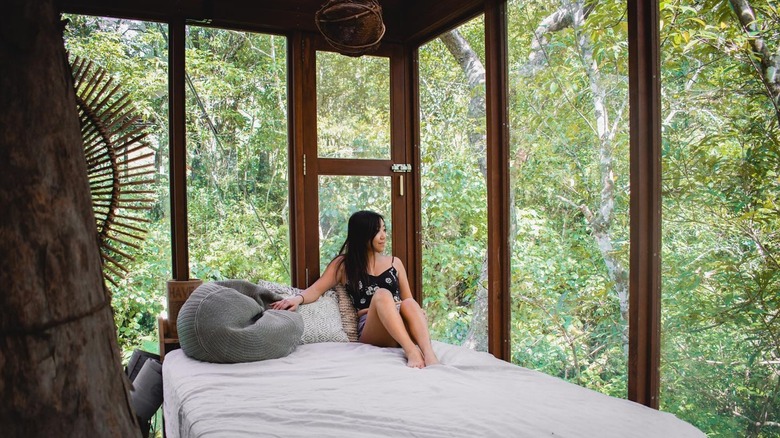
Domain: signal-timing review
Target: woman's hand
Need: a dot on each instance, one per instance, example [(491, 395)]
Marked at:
[(287, 304), (313, 292)]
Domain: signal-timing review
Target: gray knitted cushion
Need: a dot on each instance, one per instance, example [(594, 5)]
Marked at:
[(226, 322)]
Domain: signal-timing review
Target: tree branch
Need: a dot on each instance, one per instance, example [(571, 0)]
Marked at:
[(769, 69), (562, 18), (581, 207), (466, 57)]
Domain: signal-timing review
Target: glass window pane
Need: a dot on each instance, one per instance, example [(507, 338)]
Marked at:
[(135, 55), (340, 196), (720, 356), (353, 106), (454, 190), (237, 191), (569, 170)]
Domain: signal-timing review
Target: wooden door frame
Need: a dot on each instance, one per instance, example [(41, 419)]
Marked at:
[(304, 189)]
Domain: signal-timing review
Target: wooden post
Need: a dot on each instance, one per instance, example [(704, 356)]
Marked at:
[(644, 338), (178, 149), (499, 266)]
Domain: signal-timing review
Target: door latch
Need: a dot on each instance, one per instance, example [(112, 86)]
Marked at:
[(401, 168)]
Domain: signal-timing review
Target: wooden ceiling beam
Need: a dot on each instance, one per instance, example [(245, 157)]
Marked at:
[(425, 20), (150, 10), (277, 17), (414, 21)]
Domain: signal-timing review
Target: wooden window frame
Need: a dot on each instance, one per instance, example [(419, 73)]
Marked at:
[(435, 17)]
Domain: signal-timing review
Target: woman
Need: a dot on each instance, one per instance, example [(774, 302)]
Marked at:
[(388, 316)]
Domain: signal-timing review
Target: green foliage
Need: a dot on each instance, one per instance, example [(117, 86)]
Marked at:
[(720, 151), (565, 320), (353, 106), (238, 211), (140, 297), (454, 193), (566, 316)]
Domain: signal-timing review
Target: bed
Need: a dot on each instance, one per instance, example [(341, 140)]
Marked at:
[(346, 389), (338, 389)]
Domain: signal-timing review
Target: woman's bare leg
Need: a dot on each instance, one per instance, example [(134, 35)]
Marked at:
[(385, 328), (413, 316)]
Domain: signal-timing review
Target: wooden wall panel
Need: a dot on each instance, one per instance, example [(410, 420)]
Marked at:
[(269, 15)]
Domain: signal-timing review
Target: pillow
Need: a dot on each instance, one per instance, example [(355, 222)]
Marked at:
[(226, 322), (321, 319), (347, 311)]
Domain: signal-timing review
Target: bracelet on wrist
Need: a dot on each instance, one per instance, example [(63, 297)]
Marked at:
[(303, 299)]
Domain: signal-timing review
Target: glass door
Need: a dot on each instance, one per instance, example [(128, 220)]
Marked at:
[(355, 152)]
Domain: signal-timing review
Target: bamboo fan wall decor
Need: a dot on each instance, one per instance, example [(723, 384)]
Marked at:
[(120, 165)]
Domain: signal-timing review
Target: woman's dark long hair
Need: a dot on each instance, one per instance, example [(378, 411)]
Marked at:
[(363, 226)]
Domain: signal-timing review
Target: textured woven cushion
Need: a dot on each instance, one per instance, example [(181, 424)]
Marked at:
[(226, 322), (321, 319), (347, 312)]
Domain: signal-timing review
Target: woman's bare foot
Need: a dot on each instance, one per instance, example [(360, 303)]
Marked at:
[(430, 358), (414, 358)]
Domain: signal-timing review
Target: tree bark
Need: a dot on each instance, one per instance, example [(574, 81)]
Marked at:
[(60, 372), (769, 63)]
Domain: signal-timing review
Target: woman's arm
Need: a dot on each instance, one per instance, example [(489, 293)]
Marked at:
[(327, 281)]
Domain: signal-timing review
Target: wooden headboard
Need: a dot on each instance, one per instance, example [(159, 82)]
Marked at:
[(178, 292)]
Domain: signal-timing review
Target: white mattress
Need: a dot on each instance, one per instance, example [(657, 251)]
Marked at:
[(353, 389)]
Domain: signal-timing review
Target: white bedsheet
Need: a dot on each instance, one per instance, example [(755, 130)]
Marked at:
[(353, 389)]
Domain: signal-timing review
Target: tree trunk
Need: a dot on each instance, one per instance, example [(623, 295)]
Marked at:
[(571, 14), (477, 336), (59, 361), (600, 223), (769, 64), (561, 19)]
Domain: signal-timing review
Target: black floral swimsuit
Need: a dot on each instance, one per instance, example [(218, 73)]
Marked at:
[(361, 298)]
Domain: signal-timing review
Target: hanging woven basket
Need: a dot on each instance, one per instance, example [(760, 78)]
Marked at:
[(352, 27)]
